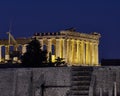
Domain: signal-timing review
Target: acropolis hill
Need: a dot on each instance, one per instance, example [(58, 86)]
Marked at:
[(82, 76)]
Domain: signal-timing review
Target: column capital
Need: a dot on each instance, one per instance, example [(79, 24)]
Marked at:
[(91, 43), (40, 39), (96, 43), (78, 41), (57, 39), (72, 39), (68, 39), (49, 39), (82, 41), (87, 42)]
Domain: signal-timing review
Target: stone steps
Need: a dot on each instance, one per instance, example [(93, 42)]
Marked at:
[(85, 68), (79, 95), (80, 82), (81, 73), (80, 88), (82, 92)]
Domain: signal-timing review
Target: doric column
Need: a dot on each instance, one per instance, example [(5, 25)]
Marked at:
[(78, 52), (96, 54), (68, 50), (24, 48), (72, 55), (0, 53), (65, 50), (83, 52), (7, 57), (87, 53), (57, 48), (49, 48), (60, 48), (80, 56), (92, 54), (41, 43)]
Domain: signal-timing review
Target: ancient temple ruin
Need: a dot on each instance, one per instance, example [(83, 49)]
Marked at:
[(75, 47)]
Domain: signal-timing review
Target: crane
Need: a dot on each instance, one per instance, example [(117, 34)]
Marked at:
[(15, 54), (10, 37)]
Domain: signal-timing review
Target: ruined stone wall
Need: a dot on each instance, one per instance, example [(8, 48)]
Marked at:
[(33, 81), (54, 81), (105, 78)]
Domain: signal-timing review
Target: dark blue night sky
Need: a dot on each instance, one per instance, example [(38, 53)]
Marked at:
[(30, 16)]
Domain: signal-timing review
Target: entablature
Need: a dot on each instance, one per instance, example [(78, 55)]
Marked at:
[(68, 34)]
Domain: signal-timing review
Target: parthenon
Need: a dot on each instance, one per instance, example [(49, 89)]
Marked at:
[(75, 47)]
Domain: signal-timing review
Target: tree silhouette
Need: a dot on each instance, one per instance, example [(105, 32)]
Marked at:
[(14, 54), (34, 56)]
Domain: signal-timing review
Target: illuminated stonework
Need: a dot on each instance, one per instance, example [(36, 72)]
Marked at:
[(6, 48), (75, 47)]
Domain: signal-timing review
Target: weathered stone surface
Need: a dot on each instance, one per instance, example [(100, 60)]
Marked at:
[(105, 78), (54, 81), (29, 81), (6, 82)]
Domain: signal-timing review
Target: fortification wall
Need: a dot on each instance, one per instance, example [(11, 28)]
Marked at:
[(105, 78), (54, 81), (33, 81)]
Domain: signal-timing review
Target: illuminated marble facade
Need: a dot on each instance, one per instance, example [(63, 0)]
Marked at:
[(76, 48)]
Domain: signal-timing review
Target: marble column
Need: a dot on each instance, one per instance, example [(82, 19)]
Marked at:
[(83, 52), (41, 43), (90, 54), (87, 53), (73, 48), (57, 48), (78, 52), (61, 48), (7, 56), (68, 50), (93, 54), (24, 48), (65, 49), (96, 54), (49, 48)]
